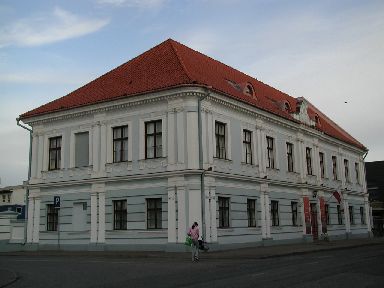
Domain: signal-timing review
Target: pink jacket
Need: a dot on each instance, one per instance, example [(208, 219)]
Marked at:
[(194, 233)]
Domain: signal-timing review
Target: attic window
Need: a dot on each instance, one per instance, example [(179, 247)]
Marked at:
[(249, 90), (317, 120), (287, 107)]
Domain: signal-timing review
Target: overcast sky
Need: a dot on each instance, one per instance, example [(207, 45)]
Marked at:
[(329, 52)]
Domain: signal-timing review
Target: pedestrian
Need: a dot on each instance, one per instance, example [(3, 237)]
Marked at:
[(194, 233)]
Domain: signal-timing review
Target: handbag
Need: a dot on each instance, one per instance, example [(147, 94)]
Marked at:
[(188, 241)]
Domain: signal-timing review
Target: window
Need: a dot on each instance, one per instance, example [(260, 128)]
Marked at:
[(270, 152), (120, 144), (339, 215), (221, 152), (81, 149), (351, 219), (79, 216), (346, 170), (52, 217), (223, 212), (308, 157), (120, 214), (9, 198), (294, 213), (275, 213), (362, 216), (54, 153), (322, 166), (287, 107), (249, 90), (153, 139), (251, 211), (247, 146), (327, 219), (334, 167), (357, 172), (3, 196), (154, 211), (290, 156)]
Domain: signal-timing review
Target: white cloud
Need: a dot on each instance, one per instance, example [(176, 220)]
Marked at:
[(43, 29), (42, 77), (134, 3)]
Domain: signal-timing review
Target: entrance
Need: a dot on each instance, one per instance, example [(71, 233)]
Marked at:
[(315, 227)]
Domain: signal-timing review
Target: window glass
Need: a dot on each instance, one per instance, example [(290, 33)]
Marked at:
[(251, 211), (223, 212)]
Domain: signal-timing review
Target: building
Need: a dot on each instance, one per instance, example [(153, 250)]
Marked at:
[(375, 181), (174, 136), (12, 198)]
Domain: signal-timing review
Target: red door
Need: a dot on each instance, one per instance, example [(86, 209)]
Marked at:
[(315, 232)]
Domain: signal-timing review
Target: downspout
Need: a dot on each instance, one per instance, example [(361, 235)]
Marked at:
[(29, 177), (201, 166)]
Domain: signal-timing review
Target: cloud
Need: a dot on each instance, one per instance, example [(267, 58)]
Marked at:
[(134, 3), (42, 77), (44, 29)]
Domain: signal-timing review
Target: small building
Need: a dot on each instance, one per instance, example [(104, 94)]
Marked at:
[(12, 198), (375, 182), (174, 136)]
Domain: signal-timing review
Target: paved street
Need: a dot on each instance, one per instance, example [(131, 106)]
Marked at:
[(352, 267)]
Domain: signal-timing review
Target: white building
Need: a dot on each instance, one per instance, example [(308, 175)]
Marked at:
[(172, 137)]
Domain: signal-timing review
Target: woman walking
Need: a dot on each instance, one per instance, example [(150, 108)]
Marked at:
[(194, 233)]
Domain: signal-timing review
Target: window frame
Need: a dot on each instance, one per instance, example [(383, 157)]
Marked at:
[(362, 215), (224, 210), (251, 212), (339, 215), (275, 219), (357, 172), (334, 167), (327, 216), (247, 146), (57, 153), (346, 170), (294, 211), (290, 157), (270, 152), (121, 140), (155, 134), (322, 164), (121, 214), (351, 215), (52, 218), (308, 159), (157, 211), (221, 138)]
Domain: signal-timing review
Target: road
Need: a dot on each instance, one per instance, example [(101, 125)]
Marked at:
[(357, 267)]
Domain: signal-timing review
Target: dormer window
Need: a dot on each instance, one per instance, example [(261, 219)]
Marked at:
[(317, 120), (287, 107), (248, 90)]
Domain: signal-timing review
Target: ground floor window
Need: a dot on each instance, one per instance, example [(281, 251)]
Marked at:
[(339, 215), (294, 213), (52, 217), (154, 211), (327, 219), (223, 212), (251, 211), (120, 214), (362, 216), (351, 218), (275, 213)]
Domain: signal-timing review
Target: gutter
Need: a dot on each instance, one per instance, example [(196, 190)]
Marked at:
[(29, 176), (201, 166)]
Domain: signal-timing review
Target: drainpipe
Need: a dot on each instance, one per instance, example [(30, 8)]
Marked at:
[(201, 167), (29, 176)]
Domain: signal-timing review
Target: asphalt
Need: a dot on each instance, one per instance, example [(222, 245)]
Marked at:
[(7, 277)]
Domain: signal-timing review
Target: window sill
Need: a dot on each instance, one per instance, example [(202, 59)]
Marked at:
[(222, 159), (225, 229)]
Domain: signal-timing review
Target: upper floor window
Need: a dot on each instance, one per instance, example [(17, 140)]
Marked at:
[(248, 89), (82, 149), (120, 214), (54, 153), (362, 216), (322, 166), (223, 212), (247, 146), (153, 139), (308, 157), (294, 213), (270, 152), (251, 211), (275, 213), (346, 170), (290, 156), (120, 144), (334, 167), (287, 107), (154, 213), (357, 174), (221, 152)]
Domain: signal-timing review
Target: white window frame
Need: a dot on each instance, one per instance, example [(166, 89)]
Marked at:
[(228, 136), (164, 126), (72, 160), (110, 127), (46, 149), (253, 144)]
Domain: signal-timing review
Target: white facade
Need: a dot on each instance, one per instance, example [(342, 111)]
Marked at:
[(89, 194)]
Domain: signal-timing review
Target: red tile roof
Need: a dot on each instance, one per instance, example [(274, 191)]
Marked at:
[(171, 64)]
